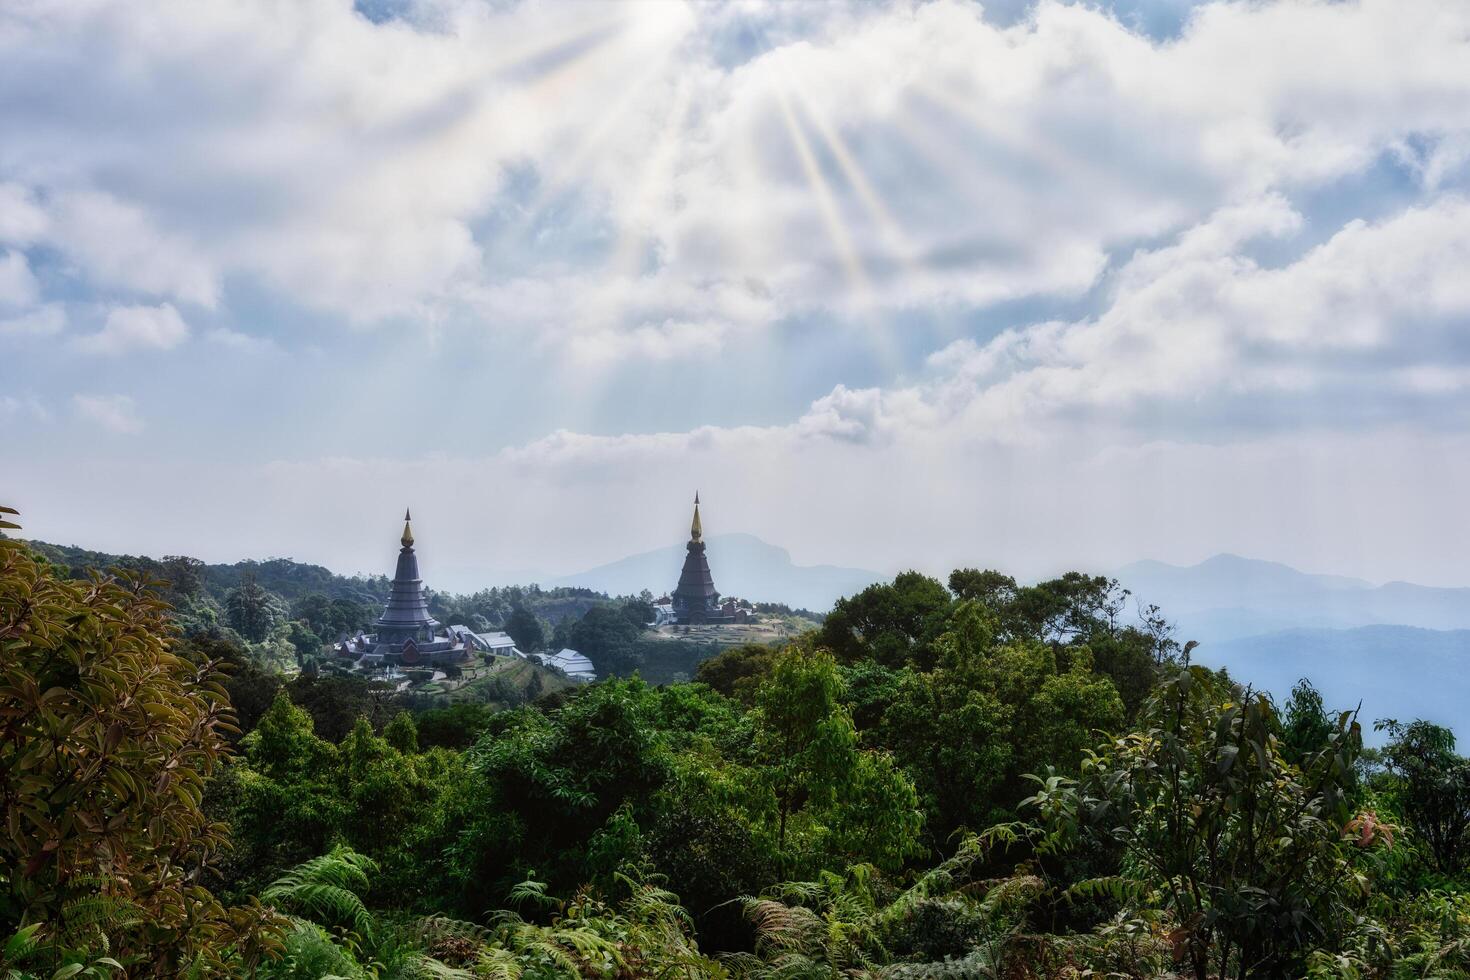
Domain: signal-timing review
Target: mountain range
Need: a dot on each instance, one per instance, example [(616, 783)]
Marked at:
[(1228, 596), (743, 565), (1401, 648)]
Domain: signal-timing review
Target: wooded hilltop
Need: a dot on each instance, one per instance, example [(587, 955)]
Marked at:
[(971, 778)]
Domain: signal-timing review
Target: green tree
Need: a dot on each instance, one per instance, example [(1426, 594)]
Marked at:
[(609, 639), (1435, 794), (1244, 850), (548, 788), (988, 713), (525, 628), (108, 732), (894, 624), (402, 733), (185, 575), (251, 689), (251, 610), (335, 702), (738, 671), (457, 726), (805, 740), (307, 644), (807, 753), (1305, 726), (639, 609)]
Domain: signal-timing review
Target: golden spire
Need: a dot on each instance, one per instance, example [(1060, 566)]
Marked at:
[(407, 538), (696, 531)]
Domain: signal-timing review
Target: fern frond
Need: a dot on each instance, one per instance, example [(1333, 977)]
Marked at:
[(326, 889)]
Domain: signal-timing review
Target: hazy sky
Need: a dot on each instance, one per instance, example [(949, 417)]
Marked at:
[(920, 284)]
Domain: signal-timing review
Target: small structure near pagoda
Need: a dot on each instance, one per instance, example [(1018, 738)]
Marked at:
[(407, 635)]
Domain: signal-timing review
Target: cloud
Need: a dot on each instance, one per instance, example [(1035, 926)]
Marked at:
[(115, 413), (240, 342), (708, 170), (31, 407), (136, 328), (22, 221), (43, 321), (1365, 331), (18, 287), (1213, 270), (1197, 334), (120, 245)]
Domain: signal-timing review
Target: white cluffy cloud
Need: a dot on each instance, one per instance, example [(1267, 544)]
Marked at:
[(136, 328), (43, 321), (620, 179), (1174, 292), (115, 413), (1365, 328), (18, 285)]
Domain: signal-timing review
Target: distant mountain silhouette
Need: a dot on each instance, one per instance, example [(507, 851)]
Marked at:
[(1401, 672), (1402, 648), (743, 565), (1228, 596)]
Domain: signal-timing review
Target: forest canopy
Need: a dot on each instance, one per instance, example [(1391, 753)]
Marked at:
[(972, 778)]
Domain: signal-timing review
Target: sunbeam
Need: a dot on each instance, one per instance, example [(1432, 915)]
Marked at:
[(893, 234), (562, 170), (826, 202)]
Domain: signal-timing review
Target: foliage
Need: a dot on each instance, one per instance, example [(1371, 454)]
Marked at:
[(891, 624), (295, 795), (1436, 798), (608, 638), (108, 730), (988, 713), (1179, 823), (738, 671), (1305, 725), (1245, 851), (808, 755), (548, 788), (525, 629), (335, 703), (252, 611)]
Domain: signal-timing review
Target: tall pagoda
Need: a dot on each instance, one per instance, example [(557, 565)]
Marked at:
[(407, 635), (406, 616), (696, 600)]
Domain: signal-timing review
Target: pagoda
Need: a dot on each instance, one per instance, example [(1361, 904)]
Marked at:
[(406, 617), (407, 635), (696, 601)]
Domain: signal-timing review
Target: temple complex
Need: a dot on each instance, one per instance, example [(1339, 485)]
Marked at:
[(696, 601), (407, 635)]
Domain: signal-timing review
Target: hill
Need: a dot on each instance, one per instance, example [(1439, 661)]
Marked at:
[(1401, 672), (1228, 597), (743, 566)]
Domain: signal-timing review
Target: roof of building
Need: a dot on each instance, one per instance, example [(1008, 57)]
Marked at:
[(571, 663)]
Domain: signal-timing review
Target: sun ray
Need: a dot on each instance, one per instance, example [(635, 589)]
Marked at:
[(1016, 140), (553, 181), (826, 201), (579, 44), (894, 235), (625, 258)]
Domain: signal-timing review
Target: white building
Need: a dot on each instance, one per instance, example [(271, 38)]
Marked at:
[(571, 663)]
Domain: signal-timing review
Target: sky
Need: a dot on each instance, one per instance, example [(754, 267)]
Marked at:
[(1026, 285)]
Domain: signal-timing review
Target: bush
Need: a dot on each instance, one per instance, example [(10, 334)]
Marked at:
[(108, 731)]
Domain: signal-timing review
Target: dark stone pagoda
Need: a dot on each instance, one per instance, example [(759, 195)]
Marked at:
[(407, 634), (696, 601)]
